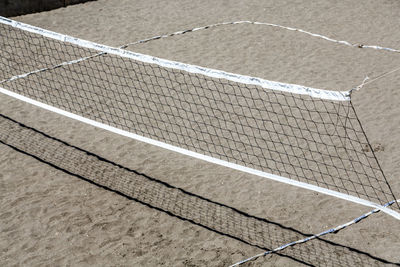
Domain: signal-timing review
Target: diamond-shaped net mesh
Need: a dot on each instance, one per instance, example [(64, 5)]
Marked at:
[(308, 139)]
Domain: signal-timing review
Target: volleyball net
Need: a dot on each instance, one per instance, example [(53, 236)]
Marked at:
[(302, 136)]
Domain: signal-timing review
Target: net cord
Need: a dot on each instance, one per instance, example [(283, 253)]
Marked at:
[(218, 74), (326, 38), (304, 240), (224, 163)]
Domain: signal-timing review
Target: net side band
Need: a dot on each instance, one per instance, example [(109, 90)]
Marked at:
[(272, 85), (204, 157)]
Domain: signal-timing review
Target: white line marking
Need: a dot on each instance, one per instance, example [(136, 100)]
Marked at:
[(204, 157)]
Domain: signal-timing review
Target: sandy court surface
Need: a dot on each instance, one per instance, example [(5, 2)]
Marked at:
[(49, 217)]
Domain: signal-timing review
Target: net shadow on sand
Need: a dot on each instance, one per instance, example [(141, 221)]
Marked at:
[(176, 202)]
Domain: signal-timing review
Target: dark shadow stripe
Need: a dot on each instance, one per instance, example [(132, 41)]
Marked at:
[(214, 216), (10, 8)]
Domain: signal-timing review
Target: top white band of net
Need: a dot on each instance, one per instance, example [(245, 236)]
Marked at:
[(272, 85)]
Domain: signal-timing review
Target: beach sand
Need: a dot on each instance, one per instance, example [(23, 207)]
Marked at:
[(49, 217)]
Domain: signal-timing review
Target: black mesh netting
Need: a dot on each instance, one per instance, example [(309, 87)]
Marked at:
[(316, 141)]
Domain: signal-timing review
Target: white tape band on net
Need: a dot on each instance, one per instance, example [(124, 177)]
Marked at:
[(272, 85)]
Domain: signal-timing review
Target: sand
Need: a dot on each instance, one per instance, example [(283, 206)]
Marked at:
[(49, 217)]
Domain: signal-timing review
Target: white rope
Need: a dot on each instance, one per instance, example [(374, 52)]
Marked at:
[(304, 240), (357, 88), (382, 75), (367, 80), (267, 24)]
